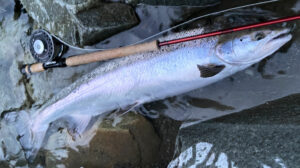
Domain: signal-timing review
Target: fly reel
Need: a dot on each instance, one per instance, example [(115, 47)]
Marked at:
[(44, 48)]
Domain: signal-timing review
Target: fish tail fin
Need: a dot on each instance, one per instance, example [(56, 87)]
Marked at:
[(30, 139)]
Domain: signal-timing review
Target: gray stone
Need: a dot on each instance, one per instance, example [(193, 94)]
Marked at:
[(12, 89), (263, 136), (11, 152), (80, 22)]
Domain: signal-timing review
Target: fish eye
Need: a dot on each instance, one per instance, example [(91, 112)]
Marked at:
[(259, 36)]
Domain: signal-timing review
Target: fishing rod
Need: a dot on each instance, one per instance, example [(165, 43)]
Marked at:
[(49, 55), (48, 48)]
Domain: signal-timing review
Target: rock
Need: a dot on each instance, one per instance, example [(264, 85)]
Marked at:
[(202, 3), (80, 22), (132, 143), (167, 130), (12, 89), (265, 136), (11, 152)]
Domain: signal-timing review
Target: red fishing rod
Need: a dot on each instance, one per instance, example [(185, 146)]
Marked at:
[(51, 60), (226, 31)]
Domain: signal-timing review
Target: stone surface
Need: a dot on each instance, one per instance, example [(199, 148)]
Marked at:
[(265, 136), (167, 130), (11, 152), (132, 143), (12, 89), (81, 22)]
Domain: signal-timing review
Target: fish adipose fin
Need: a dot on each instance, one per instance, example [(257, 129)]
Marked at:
[(210, 70)]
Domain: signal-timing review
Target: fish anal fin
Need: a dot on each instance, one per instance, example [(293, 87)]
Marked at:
[(78, 124), (210, 70)]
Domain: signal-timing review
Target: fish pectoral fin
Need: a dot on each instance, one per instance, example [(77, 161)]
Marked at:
[(116, 115), (78, 124), (210, 70), (122, 111)]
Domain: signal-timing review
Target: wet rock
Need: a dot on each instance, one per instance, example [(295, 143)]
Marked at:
[(167, 130), (81, 22), (198, 3), (11, 152), (131, 143), (265, 136), (12, 90)]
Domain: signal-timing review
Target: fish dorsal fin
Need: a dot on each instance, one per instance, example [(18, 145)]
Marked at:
[(210, 70)]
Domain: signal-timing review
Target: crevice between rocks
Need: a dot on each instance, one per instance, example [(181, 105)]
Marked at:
[(28, 103), (139, 147)]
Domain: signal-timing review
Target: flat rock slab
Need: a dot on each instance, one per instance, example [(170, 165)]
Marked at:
[(80, 22), (266, 136), (130, 142)]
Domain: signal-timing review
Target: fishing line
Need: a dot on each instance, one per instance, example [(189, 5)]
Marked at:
[(172, 28), (203, 16), (226, 31)]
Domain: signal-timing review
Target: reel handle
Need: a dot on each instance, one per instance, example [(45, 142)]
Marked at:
[(92, 57)]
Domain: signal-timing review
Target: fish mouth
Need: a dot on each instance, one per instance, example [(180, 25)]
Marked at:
[(284, 35)]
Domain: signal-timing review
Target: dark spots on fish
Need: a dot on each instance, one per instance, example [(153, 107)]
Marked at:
[(231, 79), (281, 72), (210, 70), (207, 103)]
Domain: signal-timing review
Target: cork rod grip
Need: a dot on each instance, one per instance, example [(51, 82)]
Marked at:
[(29, 69), (110, 54), (93, 57)]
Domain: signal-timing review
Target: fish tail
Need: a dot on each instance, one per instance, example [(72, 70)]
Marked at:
[(31, 139)]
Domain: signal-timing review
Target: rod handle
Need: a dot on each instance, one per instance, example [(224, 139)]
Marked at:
[(92, 57), (33, 68), (113, 53)]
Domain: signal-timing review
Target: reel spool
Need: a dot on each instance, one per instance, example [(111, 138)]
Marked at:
[(44, 48)]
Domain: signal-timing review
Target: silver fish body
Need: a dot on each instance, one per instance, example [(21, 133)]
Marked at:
[(171, 71)]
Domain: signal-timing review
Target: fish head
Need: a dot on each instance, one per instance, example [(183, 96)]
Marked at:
[(250, 46)]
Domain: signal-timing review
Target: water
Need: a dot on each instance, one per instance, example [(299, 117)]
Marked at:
[(273, 78)]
